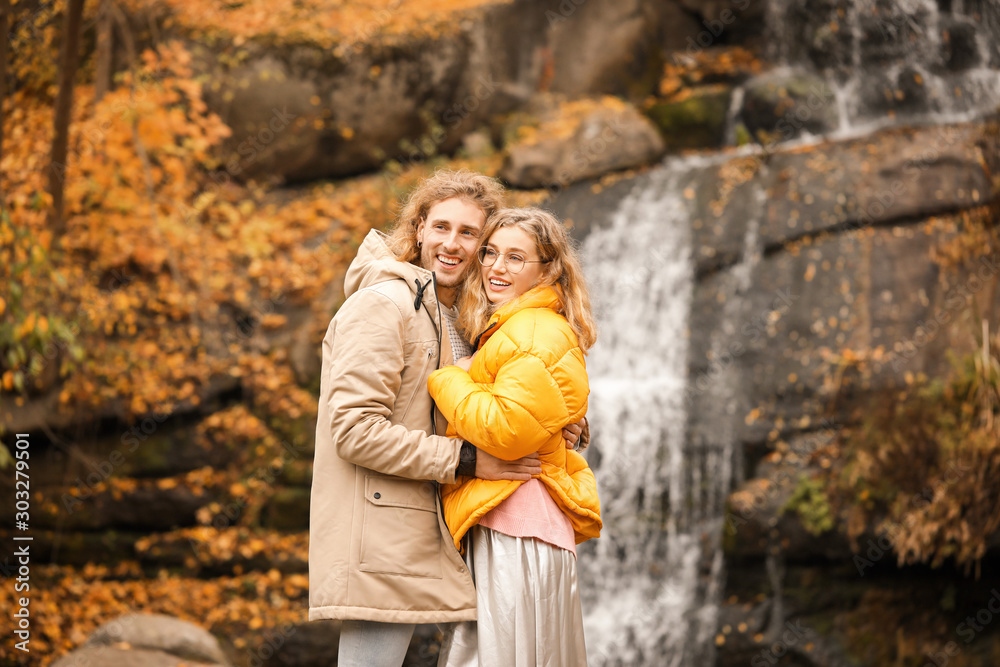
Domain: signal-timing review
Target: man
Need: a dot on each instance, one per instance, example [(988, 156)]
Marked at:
[(380, 555)]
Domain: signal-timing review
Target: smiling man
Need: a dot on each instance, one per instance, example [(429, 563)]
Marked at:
[(448, 238), (381, 558)]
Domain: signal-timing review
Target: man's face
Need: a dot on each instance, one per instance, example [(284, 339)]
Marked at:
[(449, 236)]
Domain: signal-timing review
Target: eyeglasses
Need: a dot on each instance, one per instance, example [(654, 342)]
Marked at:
[(513, 261)]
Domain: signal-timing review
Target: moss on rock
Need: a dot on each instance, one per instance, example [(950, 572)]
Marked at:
[(697, 121)]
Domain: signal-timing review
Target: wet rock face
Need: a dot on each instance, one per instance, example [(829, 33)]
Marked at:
[(894, 58), (816, 33), (842, 262), (889, 30), (837, 186), (782, 104), (811, 251), (725, 21), (960, 48)]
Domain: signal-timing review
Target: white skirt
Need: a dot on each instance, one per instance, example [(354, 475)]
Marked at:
[(528, 606)]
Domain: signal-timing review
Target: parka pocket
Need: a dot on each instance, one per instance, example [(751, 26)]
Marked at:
[(427, 353), (401, 534)]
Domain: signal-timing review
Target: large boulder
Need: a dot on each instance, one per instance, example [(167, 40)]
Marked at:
[(110, 656), (147, 640), (959, 40), (579, 140), (159, 632), (778, 507), (631, 35)]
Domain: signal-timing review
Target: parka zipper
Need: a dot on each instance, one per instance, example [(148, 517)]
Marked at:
[(438, 304), (417, 302), (475, 344)]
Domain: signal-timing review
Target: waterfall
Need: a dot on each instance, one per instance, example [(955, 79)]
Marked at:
[(651, 583)]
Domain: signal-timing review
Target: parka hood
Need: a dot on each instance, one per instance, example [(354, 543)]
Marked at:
[(375, 263)]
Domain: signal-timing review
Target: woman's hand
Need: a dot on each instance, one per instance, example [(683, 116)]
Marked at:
[(465, 363)]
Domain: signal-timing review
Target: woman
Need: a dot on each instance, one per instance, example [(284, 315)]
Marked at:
[(529, 312)]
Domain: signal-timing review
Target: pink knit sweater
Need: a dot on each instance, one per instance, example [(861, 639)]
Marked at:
[(531, 512)]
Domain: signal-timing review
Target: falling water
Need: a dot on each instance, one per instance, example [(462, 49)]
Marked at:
[(651, 583), (890, 61)]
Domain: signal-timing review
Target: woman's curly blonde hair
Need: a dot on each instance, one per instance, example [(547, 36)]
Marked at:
[(477, 189)]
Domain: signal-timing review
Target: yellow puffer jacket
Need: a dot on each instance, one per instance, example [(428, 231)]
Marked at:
[(527, 382)]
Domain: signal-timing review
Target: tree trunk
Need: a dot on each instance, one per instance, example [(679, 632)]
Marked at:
[(5, 24), (68, 62), (102, 77)]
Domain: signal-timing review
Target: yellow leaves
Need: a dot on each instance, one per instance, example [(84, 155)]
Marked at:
[(679, 74), (273, 321), (330, 24), (150, 257), (153, 134), (138, 406)]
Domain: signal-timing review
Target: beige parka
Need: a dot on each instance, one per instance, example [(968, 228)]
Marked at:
[(379, 549)]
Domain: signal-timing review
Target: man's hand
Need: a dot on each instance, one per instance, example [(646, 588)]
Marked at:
[(465, 363), (572, 435), (490, 467)]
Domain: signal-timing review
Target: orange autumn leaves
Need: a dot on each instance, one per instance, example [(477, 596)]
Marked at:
[(332, 24), (70, 603), (156, 255)]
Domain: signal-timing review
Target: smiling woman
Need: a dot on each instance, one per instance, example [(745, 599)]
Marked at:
[(527, 381), (509, 269)]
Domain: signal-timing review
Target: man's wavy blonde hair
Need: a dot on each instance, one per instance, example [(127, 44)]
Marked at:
[(477, 189), (562, 271)]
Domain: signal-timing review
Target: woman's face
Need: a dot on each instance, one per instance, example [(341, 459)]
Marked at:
[(512, 243)]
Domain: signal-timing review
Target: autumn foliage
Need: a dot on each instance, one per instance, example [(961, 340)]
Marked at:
[(921, 466), (168, 283), (154, 249)]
